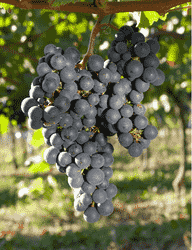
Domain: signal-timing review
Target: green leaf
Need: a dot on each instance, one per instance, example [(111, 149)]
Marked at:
[(173, 52), (4, 122), (152, 16), (37, 139), (144, 21), (41, 167), (37, 185)]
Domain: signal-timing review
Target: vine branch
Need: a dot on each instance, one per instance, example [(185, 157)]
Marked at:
[(107, 8)]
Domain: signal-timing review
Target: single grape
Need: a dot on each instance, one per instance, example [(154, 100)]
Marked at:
[(99, 195), (83, 160), (111, 191), (51, 154), (91, 215), (95, 176), (135, 149), (106, 208)]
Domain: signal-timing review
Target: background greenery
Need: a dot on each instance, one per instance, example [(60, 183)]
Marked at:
[(36, 202)]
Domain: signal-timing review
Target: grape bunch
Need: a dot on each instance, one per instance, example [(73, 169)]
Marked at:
[(79, 108), (131, 67)]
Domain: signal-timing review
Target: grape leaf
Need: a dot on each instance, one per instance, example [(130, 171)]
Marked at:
[(4, 122), (41, 167), (37, 139)]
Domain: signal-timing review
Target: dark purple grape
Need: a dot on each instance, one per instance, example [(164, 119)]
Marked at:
[(112, 66), (127, 85), (111, 191), (66, 121), (139, 109), (101, 139), (141, 86), (141, 49), (91, 215), (124, 125), (140, 122), (76, 182), (149, 74), (61, 169), (27, 103), (93, 99), (88, 188), (121, 47), (112, 116), (83, 137), (134, 68), (136, 97), (68, 74), (36, 92), (154, 45), (81, 106), (83, 160), (150, 132), (104, 184), (78, 206), (77, 123), (47, 132), (108, 172), (89, 122), (35, 113), (127, 30), (62, 103), (125, 139), (116, 102), (106, 208), (69, 133), (43, 69), (99, 195), (75, 149), (160, 78), (119, 89), (50, 112), (72, 53), (109, 159), (72, 170), (144, 143), (97, 160), (151, 61), (86, 83), (51, 154), (64, 159), (113, 55), (126, 56), (92, 112), (115, 77), (56, 140), (70, 87), (99, 87), (85, 199), (135, 149), (50, 48), (120, 36), (58, 61), (137, 37), (35, 124), (103, 101), (104, 75), (108, 148), (95, 63), (95, 176), (90, 147), (126, 110)]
